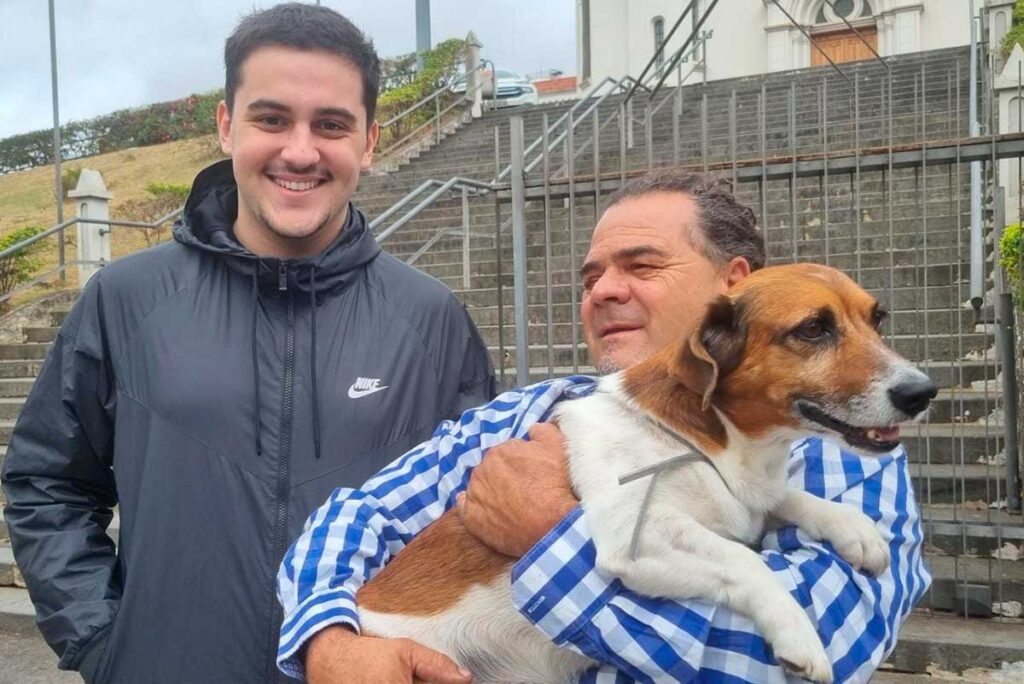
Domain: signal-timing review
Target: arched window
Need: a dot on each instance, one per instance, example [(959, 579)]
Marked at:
[(834, 11), (1016, 107), (659, 39)]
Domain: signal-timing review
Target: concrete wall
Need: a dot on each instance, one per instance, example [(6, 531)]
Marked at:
[(754, 36)]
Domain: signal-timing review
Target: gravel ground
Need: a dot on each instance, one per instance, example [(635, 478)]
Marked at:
[(26, 659)]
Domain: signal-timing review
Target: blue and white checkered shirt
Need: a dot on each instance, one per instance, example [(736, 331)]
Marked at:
[(555, 586)]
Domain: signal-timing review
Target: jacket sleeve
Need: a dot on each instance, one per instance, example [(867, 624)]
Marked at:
[(354, 534), (60, 490), (468, 364), (649, 639)]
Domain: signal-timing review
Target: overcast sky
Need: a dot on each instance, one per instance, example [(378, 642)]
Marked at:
[(113, 54)]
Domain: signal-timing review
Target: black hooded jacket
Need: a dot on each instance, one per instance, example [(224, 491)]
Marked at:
[(218, 398)]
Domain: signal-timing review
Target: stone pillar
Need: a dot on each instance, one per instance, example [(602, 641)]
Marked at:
[(1000, 20), (473, 74), (93, 202), (1007, 84)]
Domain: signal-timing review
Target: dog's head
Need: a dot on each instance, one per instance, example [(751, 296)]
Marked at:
[(796, 350)]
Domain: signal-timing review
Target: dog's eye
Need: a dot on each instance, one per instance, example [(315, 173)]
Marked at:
[(813, 330), (878, 317)]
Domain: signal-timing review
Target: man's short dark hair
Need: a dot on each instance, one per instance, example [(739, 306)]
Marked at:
[(305, 27), (728, 228)]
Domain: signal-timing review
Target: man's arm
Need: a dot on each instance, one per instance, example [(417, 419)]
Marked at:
[(352, 536), (60, 490), (857, 616)]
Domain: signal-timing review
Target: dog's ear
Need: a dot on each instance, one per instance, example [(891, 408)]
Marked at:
[(714, 350)]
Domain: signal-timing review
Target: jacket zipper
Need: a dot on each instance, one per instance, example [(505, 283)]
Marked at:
[(284, 461)]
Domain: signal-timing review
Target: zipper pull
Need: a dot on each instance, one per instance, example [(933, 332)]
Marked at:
[(282, 277)]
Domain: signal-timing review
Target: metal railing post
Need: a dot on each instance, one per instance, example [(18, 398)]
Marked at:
[(437, 117), (629, 124), (518, 183), (58, 179), (465, 237), (677, 112), (1009, 362), (977, 239), (1005, 346), (648, 136)]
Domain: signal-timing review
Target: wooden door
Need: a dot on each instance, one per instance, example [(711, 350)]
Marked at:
[(844, 46)]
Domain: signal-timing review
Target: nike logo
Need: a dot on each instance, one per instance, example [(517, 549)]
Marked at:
[(364, 386)]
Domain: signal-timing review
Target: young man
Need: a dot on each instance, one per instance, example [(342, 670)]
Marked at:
[(219, 387), (665, 247)]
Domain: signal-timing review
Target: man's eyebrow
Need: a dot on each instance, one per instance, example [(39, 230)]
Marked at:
[(339, 112), (624, 255), (264, 103)]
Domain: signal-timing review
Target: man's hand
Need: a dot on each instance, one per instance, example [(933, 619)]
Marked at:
[(337, 655), (519, 492)]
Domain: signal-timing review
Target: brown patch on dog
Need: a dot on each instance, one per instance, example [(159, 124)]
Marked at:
[(434, 571), (744, 361), (776, 367), (665, 396)]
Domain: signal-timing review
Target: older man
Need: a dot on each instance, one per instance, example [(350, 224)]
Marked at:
[(667, 245)]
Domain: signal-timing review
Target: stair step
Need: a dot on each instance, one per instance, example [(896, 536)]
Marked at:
[(24, 352), (954, 645), (16, 611)]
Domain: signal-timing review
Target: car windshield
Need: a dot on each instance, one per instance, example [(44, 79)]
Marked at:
[(511, 75)]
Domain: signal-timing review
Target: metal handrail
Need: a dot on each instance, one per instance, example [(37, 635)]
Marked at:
[(456, 182), (429, 98), (560, 120), (618, 85), (62, 267), (450, 184), (435, 120), (28, 242), (478, 185)]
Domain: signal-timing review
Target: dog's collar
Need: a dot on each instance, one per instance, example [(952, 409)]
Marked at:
[(654, 470)]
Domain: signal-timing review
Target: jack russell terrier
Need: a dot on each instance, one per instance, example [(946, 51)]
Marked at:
[(790, 351)]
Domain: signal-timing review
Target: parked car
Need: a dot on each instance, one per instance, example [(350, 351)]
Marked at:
[(513, 89)]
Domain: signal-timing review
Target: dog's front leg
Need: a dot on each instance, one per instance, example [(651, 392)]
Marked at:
[(852, 533), (691, 562)]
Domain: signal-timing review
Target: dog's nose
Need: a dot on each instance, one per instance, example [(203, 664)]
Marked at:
[(912, 396)]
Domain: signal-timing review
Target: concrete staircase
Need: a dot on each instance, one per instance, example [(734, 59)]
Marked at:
[(902, 235)]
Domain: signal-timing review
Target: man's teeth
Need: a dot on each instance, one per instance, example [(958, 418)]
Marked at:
[(296, 185)]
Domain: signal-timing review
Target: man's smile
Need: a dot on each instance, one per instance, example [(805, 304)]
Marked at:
[(296, 184)]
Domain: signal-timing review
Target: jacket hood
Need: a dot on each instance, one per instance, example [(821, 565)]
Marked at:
[(207, 223)]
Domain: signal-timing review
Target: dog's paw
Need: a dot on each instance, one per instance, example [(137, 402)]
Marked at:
[(857, 540), (798, 649)]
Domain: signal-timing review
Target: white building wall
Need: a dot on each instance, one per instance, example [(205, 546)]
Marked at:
[(946, 23), (754, 36)]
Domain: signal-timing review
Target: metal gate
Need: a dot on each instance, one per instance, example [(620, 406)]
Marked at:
[(869, 170)]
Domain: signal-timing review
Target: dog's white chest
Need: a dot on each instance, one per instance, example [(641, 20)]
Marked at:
[(607, 443)]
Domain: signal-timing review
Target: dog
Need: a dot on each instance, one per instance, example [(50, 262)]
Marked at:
[(788, 352)]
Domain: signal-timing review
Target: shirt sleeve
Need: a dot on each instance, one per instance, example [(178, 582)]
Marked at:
[(557, 588), (352, 536)]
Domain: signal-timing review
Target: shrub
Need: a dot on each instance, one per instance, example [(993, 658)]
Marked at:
[(1011, 251), (170, 191), (20, 266), (69, 178), (164, 198), (1016, 33), (441, 66)]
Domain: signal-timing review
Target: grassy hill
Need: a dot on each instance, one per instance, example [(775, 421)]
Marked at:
[(26, 197)]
